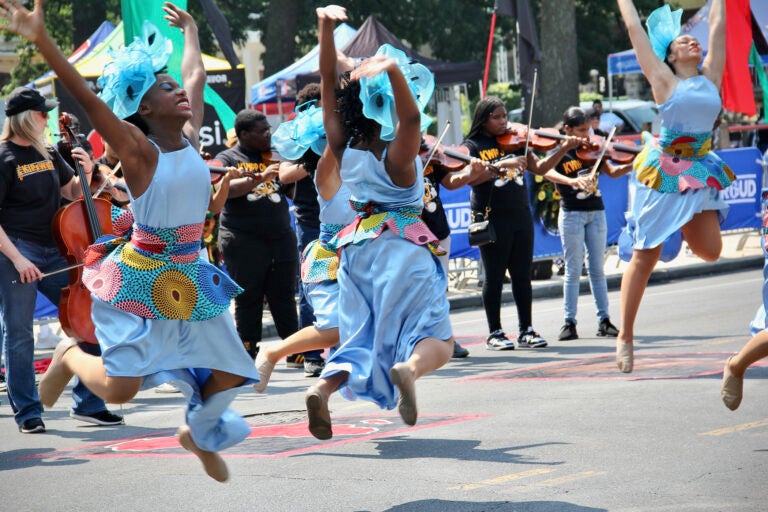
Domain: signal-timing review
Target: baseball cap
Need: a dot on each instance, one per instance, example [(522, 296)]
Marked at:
[(22, 99)]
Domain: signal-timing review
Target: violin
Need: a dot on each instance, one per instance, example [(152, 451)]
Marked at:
[(269, 189), (518, 134), (75, 227), (456, 157), (619, 153)]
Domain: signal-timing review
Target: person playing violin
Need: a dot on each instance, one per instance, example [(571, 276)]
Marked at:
[(160, 311), (677, 179), (510, 215), (33, 179), (256, 238), (581, 222)]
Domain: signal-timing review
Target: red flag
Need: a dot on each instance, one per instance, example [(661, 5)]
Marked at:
[(737, 82)]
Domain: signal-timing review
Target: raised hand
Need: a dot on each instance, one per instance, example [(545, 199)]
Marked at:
[(18, 19), (177, 17), (331, 13), (373, 66)]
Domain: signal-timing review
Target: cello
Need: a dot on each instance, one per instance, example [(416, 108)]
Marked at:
[(75, 227)]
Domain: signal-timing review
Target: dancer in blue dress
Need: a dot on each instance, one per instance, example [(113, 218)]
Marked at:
[(160, 311), (677, 178), (393, 312)]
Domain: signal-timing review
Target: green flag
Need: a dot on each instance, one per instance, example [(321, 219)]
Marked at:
[(754, 59), (135, 12)]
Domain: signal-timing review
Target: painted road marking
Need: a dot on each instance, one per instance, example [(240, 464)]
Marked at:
[(736, 428), (501, 479)]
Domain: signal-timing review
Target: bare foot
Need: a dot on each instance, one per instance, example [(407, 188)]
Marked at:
[(402, 377), (213, 464), (318, 415)]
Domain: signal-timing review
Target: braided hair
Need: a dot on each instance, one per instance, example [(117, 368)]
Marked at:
[(357, 127)]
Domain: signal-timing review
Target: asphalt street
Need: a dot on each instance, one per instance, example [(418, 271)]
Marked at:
[(556, 429)]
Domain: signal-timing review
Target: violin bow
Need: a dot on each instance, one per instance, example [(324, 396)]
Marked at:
[(106, 179), (530, 112), (602, 154), (438, 141)]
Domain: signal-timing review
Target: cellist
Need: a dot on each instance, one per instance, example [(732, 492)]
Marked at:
[(33, 179)]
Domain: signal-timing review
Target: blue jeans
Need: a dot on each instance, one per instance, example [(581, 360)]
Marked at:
[(17, 310), (580, 231), (304, 235)]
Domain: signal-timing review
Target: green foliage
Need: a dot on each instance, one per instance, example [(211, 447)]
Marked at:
[(509, 94), (590, 96)]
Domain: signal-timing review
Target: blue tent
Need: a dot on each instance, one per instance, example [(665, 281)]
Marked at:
[(626, 62), (266, 91)]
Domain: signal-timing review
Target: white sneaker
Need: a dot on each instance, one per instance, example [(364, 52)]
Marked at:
[(46, 338), (167, 387)]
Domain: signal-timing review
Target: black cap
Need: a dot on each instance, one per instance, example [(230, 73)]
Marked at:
[(22, 99)]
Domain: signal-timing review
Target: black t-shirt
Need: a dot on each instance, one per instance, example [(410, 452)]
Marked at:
[(306, 207), (436, 221), (262, 218), (509, 197), (30, 191), (569, 166)]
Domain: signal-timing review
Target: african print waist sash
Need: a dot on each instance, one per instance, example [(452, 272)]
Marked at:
[(318, 263), (156, 273), (373, 219), (680, 161)]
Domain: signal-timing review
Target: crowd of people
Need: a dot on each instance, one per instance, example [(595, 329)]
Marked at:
[(368, 263)]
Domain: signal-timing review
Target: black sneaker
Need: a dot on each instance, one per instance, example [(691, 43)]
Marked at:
[(103, 418), (459, 352), (568, 332), (32, 426), (294, 361), (530, 339), (606, 328), (499, 341), (313, 368)]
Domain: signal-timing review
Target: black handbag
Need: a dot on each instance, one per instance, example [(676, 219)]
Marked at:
[(482, 232)]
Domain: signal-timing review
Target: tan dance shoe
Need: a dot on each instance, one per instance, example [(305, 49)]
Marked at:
[(402, 377), (56, 377), (264, 367), (318, 415), (733, 387), (625, 357), (213, 464)]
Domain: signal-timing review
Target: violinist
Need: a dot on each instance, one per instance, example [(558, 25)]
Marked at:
[(437, 173), (510, 215), (581, 221), (33, 179), (256, 238), (108, 168)]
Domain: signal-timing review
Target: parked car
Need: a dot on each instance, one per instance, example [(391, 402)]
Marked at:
[(637, 115)]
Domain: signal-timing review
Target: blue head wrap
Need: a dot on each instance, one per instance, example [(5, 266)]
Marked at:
[(378, 99), (131, 72), (663, 27), (305, 131)]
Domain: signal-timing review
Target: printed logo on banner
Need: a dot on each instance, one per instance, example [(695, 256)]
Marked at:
[(743, 190)]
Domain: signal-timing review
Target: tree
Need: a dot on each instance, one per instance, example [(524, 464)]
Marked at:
[(559, 70), (280, 36)]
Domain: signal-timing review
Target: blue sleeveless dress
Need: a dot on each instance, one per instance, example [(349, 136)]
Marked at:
[(319, 266), (391, 286), (176, 350), (676, 176)]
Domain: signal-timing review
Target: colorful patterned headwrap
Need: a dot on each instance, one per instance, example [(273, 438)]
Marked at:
[(378, 99), (131, 72), (663, 27), (293, 138)]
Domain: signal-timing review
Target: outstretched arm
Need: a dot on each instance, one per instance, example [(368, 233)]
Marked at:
[(714, 62), (192, 68), (129, 142), (659, 75), (334, 131)]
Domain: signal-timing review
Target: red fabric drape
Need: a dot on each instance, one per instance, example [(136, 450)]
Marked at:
[(737, 83)]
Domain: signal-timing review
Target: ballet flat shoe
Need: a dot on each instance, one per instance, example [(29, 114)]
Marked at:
[(625, 357), (264, 367), (213, 464), (733, 387), (318, 415), (402, 377)]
